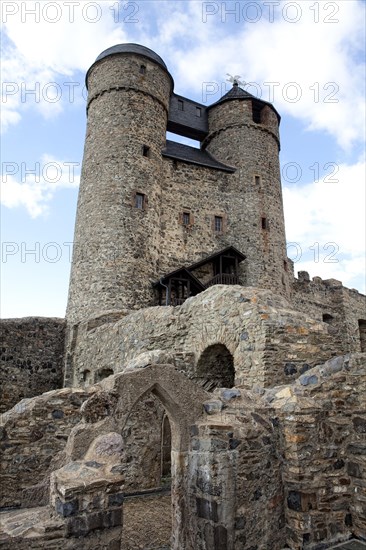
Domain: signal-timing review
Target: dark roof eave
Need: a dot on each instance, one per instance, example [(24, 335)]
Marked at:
[(184, 270), (135, 49), (216, 165), (236, 252)]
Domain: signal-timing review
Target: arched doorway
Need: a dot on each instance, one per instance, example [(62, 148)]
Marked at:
[(147, 468), (215, 368)]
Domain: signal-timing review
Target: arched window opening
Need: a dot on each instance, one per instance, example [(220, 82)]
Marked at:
[(215, 368), (327, 318), (146, 463), (103, 373), (166, 452), (362, 330)]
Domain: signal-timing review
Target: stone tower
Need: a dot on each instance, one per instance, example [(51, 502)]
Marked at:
[(244, 132), (116, 245), (149, 207)]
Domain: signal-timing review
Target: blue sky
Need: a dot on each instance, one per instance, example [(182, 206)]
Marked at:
[(306, 57)]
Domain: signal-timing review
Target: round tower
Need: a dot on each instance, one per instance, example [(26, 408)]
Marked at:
[(244, 132), (116, 240)]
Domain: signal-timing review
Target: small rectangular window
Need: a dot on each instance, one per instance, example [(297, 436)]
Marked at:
[(146, 150), (186, 218), (218, 224), (143, 69), (180, 105), (198, 111), (140, 201), (257, 180), (265, 223)]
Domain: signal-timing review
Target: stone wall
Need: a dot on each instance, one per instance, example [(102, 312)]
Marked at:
[(264, 468), (126, 135), (340, 307), (33, 434), (270, 343), (322, 420), (31, 358)]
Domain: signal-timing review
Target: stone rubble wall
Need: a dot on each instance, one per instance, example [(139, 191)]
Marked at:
[(322, 420), (270, 343), (329, 297), (257, 468), (32, 435), (32, 358)]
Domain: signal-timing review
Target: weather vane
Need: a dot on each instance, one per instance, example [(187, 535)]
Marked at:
[(235, 80)]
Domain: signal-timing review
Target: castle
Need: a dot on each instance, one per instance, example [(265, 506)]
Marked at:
[(190, 356)]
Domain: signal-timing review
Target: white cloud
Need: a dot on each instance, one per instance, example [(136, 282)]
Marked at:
[(324, 59), (38, 52), (331, 214), (34, 191)]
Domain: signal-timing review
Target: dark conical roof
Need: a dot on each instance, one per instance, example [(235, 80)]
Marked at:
[(127, 48), (133, 48), (238, 93)]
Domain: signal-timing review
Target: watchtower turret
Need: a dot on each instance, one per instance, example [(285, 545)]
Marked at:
[(116, 242), (244, 132)]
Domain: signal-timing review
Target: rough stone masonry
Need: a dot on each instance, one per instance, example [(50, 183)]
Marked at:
[(191, 363)]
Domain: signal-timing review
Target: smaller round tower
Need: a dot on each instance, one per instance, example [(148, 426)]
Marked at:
[(244, 132), (116, 242)]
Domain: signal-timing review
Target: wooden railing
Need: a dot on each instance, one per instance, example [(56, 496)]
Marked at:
[(223, 279)]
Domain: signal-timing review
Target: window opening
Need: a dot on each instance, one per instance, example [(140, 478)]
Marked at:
[(265, 223), (362, 330), (198, 111), (146, 150), (257, 180), (218, 224), (186, 218), (180, 105), (139, 201), (143, 69)]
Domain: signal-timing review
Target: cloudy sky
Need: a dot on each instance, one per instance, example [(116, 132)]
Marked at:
[(305, 57)]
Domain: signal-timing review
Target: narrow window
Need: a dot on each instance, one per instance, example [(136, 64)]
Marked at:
[(218, 224), (180, 105), (198, 111), (265, 224), (139, 201), (146, 150), (257, 180), (362, 330), (143, 69), (186, 218), (256, 113)]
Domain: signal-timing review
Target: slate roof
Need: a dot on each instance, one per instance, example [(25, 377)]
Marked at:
[(229, 249), (187, 271), (133, 48), (238, 93), (179, 151), (181, 273), (136, 49)]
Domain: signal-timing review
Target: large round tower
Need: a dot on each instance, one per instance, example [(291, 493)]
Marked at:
[(116, 240), (244, 132)]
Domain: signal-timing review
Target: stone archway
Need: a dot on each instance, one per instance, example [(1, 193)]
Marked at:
[(215, 368), (107, 412)]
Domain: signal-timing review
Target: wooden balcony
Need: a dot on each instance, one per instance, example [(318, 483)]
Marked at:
[(223, 279)]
